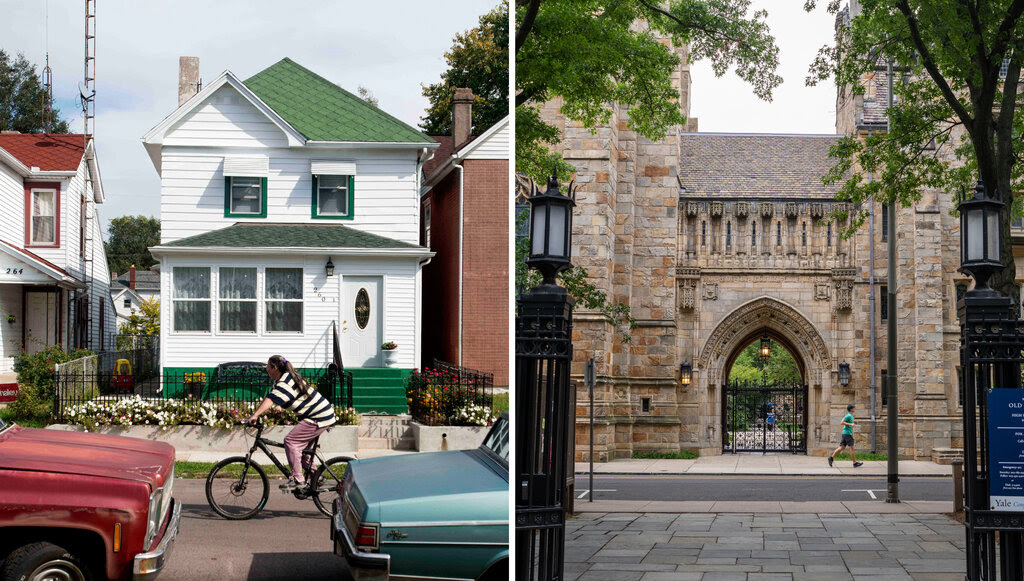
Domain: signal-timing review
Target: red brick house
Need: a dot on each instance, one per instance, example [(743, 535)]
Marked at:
[(465, 220)]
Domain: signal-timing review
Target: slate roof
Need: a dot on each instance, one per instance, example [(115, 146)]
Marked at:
[(755, 165), (250, 235), (323, 111), (145, 280), (48, 152)]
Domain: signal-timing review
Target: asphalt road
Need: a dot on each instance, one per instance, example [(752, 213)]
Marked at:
[(289, 539), (766, 488)]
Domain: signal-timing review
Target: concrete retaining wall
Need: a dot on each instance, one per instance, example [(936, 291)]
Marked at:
[(207, 439), (435, 438)]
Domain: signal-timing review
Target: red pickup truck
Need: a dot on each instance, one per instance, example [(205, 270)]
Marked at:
[(79, 507)]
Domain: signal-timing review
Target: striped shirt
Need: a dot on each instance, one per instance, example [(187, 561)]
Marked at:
[(313, 406)]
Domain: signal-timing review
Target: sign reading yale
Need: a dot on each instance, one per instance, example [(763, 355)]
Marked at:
[(714, 240)]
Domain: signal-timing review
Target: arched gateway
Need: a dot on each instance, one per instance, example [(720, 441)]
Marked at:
[(766, 417)]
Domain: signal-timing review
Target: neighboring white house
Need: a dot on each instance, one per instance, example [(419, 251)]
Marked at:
[(131, 289), (288, 206), (54, 284)]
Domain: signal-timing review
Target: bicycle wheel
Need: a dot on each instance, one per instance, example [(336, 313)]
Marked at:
[(328, 482), (237, 490)]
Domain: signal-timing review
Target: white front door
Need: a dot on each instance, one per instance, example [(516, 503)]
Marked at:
[(362, 321), (40, 320)]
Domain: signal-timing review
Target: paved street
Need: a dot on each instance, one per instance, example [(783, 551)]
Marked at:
[(287, 540), (763, 547)]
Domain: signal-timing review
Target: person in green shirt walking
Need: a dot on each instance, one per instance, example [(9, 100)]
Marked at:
[(847, 437)]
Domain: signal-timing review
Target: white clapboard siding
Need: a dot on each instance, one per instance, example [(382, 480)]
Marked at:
[(322, 304), (192, 190), (10, 333), (12, 207), (66, 255), (225, 119), (494, 146)]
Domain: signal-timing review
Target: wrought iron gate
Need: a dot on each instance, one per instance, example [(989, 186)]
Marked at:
[(764, 418)]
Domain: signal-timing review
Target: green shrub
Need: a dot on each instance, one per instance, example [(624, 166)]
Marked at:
[(35, 381)]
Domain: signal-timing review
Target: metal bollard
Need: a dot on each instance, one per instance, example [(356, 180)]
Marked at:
[(958, 485)]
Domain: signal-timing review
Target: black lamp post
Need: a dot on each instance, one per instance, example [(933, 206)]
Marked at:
[(685, 373), (545, 413), (980, 238), (551, 230), (844, 374)]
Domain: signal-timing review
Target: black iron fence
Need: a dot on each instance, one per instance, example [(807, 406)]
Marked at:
[(445, 395), (758, 417), (75, 387)]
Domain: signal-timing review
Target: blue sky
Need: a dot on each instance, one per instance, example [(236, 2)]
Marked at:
[(391, 48)]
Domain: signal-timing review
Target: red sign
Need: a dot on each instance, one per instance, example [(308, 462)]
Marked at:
[(8, 392)]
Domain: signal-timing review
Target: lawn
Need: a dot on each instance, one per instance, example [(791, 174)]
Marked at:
[(681, 455), (865, 456)]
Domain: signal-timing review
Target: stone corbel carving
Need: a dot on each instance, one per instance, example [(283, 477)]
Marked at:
[(687, 294), (717, 209), (822, 291), (742, 209), (692, 208), (792, 209), (711, 291), (844, 295), (817, 210), (842, 208), (767, 210)]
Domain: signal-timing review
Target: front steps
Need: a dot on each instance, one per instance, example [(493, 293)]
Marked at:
[(379, 390), (377, 432)]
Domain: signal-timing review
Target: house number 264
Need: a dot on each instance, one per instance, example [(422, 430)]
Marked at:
[(14, 271)]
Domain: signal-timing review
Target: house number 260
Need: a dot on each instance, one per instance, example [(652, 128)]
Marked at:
[(323, 299)]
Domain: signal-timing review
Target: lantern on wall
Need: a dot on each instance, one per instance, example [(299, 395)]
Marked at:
[(766, 346), (980, 236), (844, 374), (329, 268), (685, 373), (551, 230)]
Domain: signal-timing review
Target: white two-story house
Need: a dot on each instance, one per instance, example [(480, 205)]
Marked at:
[(54, 283), (289, 210)]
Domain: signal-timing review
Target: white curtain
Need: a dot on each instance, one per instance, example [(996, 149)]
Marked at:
[(284, 299), (43, 217), (238, 284), (192, 298)]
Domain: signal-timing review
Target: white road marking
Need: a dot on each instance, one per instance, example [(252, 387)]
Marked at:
[(871, 493), (584, 493)]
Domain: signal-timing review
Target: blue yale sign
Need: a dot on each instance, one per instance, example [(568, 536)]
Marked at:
[(1006, 449)]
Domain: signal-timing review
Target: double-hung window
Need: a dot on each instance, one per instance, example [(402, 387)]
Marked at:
[(283, 300), (333, 189), (237, 299), (191, 298), (43, 222), (245, 187)]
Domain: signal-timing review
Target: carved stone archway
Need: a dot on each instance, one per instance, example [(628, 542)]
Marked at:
[(784, 324)]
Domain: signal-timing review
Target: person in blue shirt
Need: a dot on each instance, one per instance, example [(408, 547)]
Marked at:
[(315, 413), (847, 438)]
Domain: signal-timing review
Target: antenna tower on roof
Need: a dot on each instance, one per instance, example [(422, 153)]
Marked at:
[(89, 85)]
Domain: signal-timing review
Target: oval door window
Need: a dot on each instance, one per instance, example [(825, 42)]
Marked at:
[(362, 308)]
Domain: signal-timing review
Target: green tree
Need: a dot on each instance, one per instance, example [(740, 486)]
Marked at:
[(478, 60), (129, 239), (144, 321), (953, 103), (749, 367), (21, 98), (590, 54)]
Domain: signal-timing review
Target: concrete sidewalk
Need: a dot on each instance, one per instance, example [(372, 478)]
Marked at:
[(758, 464), (213, 457)]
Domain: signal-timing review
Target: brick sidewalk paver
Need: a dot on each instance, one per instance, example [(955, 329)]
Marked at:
[(763, 547)]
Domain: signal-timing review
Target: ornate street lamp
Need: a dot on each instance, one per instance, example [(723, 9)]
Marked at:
[(980, 238), (766, 346), (685, 373), (844, 374), (330, 268), (551, 230)]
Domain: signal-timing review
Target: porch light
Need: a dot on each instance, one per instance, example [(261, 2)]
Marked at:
[(685, 373), (844, 374), (330, 268), (766, 346), (980, 237), (551, 230)]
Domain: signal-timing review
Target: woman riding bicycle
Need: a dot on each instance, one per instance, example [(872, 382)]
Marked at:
[(316, 414)]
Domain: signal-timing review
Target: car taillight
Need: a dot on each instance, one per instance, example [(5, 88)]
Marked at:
[(366, 536)]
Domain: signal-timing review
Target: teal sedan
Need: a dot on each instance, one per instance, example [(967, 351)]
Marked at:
[(438, 515)]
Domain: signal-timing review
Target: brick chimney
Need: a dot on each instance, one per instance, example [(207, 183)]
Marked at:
[(131, 277), (189, 82), (462, 116)]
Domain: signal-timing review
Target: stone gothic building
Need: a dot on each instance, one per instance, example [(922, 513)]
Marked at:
[(716, 240)]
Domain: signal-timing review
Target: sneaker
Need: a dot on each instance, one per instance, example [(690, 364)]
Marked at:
[(830, 461), (290, 485), (858, 464)]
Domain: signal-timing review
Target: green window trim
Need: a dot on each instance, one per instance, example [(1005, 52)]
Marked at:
[(227, 200), (351, 200)]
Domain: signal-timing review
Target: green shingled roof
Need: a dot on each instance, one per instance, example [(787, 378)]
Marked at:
[(323, 111), (245, 235)]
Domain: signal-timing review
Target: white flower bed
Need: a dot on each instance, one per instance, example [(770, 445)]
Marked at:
[(474, 415)]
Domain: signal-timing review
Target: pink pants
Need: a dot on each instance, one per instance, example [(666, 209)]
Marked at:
[(297, 439)]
